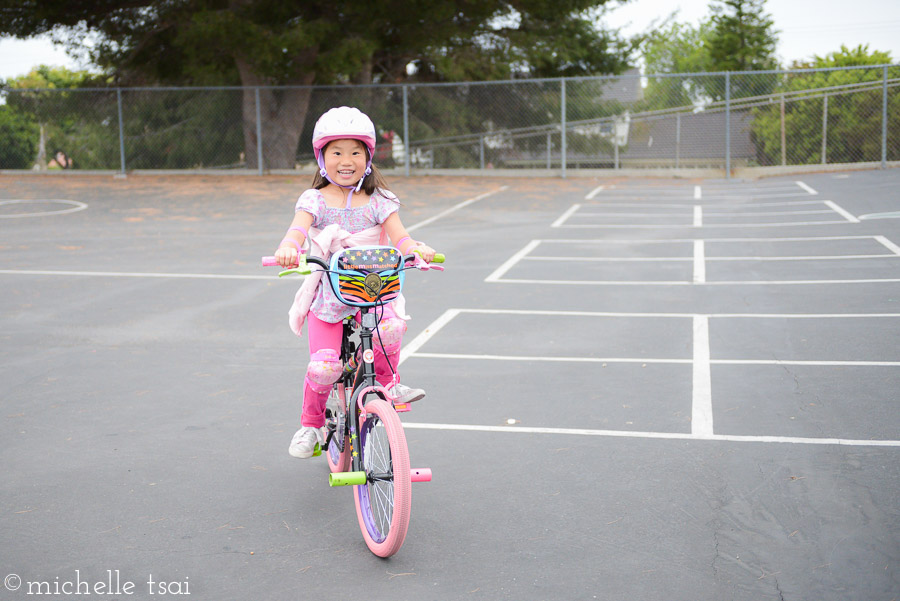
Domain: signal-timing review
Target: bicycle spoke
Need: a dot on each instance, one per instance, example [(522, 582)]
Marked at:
[(378, 467)]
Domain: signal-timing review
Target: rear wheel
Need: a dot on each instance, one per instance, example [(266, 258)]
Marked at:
[(383, 504), (338, 452)]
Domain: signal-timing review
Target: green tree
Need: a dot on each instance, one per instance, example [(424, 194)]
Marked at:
[(743, 38), (298, 43), (852, 122), (20, 139), (736, 36), (676, 48), (56, 112)]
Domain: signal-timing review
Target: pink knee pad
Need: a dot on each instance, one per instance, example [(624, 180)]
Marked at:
[(323, 370), (391, 330)]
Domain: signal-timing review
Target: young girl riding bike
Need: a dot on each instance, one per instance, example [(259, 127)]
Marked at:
[(348, 205)]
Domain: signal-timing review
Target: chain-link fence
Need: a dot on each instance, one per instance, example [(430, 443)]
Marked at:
[(721, 121)]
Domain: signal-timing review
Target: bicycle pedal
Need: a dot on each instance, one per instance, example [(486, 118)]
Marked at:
[(317, 450), (402, 407)]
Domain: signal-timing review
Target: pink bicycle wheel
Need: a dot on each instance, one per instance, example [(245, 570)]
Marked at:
[(383, 504)]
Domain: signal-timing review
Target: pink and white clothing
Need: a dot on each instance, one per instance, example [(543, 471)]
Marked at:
[(355, 220), (334, 228)]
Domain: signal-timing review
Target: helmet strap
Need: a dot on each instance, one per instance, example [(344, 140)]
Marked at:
[(351, 189)]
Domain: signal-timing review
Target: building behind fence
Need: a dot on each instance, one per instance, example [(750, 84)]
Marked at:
[(720, 121)]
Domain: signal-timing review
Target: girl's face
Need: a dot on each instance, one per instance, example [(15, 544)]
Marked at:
[(345, 161)]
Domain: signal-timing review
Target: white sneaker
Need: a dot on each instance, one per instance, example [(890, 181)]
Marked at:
[(307, 442), (404, 394)]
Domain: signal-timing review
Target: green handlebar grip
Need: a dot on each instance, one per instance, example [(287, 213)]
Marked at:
[(438, 257), (347, 479)]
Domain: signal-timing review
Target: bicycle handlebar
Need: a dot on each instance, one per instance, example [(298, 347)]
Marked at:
[(302, 267)]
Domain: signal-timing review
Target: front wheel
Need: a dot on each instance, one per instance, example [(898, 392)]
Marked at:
[(383, 504)]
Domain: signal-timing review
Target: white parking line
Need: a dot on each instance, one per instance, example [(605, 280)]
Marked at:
[(653, 360), (560, 313), (641, 205), (888, 244), (888, 215), (122, 274), (637, 226), (656, 435), (699, 262), (716, 259), (532, 282), (699, 211), (416, 343), (549, 358), (668, 240), (741, 197), (562, 218), (498, 273), (767, 214), (594, 192), (701, 398), (455, 208), (842, 212), (805, 187), (697, 193)]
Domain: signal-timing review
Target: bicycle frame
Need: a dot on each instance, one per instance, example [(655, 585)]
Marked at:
[(377, 455), (364, 384)]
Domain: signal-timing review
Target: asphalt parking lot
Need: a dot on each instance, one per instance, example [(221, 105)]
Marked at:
[(637, 389)]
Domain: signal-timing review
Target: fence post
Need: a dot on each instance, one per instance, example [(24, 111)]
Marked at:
[(406, 159), (615, 145), (884, 117), (562, 158), (548, 150), (824, 127), (259, 153), (481, 151), (783, 140), (121, 130), (677, 139), (728, 125)]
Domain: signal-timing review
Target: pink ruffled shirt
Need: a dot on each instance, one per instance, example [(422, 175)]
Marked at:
[(334, 228)]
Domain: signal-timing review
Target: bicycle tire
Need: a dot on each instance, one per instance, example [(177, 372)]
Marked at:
[(338, 455), (383, 504)]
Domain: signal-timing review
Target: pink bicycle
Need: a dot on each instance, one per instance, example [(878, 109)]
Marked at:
[(365, 444)]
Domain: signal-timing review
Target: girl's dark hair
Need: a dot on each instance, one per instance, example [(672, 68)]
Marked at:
[(372, 182)]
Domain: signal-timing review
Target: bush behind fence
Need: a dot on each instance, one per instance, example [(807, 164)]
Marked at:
[(667, 121)]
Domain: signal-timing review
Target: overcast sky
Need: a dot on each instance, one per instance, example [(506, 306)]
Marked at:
[(807, 28)]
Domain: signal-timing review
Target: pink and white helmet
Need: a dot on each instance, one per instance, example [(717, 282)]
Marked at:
[(341, 123)]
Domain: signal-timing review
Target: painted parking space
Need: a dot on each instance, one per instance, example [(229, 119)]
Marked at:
[(594, 341), (714, 261)]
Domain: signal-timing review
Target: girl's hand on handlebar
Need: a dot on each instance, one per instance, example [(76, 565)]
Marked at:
[(425, 251), (286, 256)]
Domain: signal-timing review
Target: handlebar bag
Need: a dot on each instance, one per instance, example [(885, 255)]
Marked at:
[(365, 276)]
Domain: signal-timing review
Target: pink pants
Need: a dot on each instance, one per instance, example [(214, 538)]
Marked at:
[(324, 366)]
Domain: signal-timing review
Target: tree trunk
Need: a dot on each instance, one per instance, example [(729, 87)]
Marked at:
[(282, 113)]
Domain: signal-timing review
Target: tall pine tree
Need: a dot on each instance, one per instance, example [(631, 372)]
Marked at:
[(743, 38)]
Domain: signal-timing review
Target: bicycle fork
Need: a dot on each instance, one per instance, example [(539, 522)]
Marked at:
[(365, 384)]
